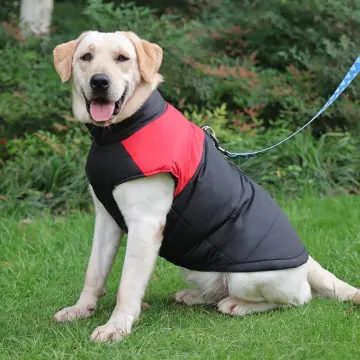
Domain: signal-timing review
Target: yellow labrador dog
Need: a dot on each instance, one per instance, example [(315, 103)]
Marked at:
[(115, 76)]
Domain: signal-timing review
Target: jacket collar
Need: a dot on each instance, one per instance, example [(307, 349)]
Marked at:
[(152, 108)]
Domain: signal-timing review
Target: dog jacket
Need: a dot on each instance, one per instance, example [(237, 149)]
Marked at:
[(220, 220)]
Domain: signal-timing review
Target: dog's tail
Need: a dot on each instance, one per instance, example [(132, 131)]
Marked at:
[(328, 285)]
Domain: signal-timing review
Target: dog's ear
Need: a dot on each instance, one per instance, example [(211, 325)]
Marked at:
[(63, 55), (149, 56)]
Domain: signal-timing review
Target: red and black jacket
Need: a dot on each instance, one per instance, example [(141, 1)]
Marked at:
[(220, 220)]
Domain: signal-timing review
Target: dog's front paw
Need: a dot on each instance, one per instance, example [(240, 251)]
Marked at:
[(74, 312), (114, 330)]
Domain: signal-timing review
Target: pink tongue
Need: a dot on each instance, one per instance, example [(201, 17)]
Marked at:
[(101, 112)]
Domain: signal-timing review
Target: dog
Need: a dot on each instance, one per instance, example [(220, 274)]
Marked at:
[(160, 179)]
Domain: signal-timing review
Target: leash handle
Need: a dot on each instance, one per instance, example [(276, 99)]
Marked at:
[(349, 77)]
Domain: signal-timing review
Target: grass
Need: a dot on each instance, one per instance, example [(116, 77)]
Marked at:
[(42, 269)]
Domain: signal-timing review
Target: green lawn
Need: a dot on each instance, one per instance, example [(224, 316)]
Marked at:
[(42, 269)]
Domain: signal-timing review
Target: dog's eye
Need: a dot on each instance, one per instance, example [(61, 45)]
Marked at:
[(86, 57), (122, 58)]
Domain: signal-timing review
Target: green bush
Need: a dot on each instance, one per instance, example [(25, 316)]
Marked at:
[(294, 54), (274, 60), (253, 72), (46, 171), (9, 10), (328, 165), (31, 97)]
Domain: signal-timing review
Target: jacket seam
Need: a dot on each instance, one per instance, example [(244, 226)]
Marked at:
[(227, 257), (290, 258), (262, 239)]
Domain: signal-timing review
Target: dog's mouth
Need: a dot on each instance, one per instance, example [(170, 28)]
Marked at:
[(102, 110)]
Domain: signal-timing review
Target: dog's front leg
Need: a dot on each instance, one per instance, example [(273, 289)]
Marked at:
[(144, 204), (105, 245)]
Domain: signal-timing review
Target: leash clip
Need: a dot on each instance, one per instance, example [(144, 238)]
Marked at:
[(211, 133)]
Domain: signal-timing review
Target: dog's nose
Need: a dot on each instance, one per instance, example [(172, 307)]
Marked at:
[(99, 82)]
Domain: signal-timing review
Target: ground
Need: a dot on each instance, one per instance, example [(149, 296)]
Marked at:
[(42, 267)]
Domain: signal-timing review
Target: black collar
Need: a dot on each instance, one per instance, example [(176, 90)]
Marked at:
[(152, 108)]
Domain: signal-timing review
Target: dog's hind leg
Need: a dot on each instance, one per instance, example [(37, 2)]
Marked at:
[(262, 291), (210, 288), (237, 307), (190, 297)]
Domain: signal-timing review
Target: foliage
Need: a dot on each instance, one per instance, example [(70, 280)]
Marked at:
[(9, 9), (328, 165), (46, 170), (30, 96), (246, 58), (293, 56), (254, 75)]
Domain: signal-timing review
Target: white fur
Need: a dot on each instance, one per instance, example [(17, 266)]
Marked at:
[(267, 289), (145, 204), (106, 242), (104, 47)]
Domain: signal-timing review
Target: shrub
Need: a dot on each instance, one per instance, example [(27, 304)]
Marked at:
[(46, 171), (245, 58), (271, 64), (297, 51), (327, 166)]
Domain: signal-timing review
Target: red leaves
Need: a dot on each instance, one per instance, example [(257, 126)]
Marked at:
[(222, 70)]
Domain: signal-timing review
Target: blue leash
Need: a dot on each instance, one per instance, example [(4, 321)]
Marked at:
[(349, 77)]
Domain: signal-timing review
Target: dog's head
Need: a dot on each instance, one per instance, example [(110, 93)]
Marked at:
[(107, 69)]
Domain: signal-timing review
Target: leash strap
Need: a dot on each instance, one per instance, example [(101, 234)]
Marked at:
[(349, 77)]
